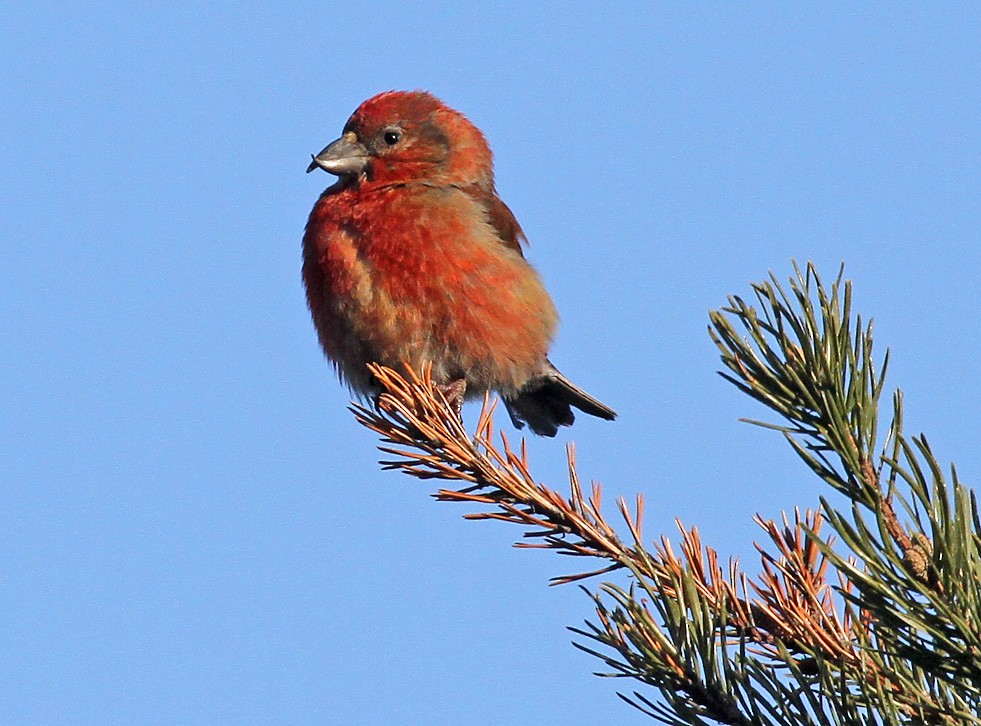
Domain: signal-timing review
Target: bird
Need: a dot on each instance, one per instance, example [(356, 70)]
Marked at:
[(412, 259)]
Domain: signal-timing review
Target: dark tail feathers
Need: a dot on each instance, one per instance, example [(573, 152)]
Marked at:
[(546, 401)]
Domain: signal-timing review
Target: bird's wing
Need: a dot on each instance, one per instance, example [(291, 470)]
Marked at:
[(500, 217)]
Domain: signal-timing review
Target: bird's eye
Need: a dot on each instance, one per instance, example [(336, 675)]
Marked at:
[(392, 137)]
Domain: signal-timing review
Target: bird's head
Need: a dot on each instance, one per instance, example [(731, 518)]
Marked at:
[(409, 136)]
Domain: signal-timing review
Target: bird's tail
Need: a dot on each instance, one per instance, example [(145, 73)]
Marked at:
[(546, 402)]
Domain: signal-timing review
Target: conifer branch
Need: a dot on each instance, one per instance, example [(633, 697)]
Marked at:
[(881, 628)]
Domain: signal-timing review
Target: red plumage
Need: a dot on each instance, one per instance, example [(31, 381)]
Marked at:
[(411, 257)]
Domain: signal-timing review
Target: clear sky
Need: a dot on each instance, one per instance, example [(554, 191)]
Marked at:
[(192, 527)]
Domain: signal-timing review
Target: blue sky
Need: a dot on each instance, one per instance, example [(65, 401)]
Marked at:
[(193, 528)]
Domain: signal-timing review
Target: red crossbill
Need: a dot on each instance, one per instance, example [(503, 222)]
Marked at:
[(412, 258)]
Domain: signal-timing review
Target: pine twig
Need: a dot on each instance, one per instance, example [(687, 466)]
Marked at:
[(792, 611)]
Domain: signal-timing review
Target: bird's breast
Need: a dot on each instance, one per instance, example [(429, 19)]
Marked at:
[(421, 275)]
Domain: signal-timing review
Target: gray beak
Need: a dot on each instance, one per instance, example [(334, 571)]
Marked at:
[(344, 157)]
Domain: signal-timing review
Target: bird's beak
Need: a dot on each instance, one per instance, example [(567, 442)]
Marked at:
[(344, 157)]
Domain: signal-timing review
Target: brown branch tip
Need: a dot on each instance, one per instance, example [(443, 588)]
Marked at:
[(790, 602)]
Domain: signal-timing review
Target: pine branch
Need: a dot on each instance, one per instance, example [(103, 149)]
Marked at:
[(427, 440), (879, 629), (918, 582)]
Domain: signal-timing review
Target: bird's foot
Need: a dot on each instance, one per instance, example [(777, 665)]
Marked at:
[(454, 392)]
